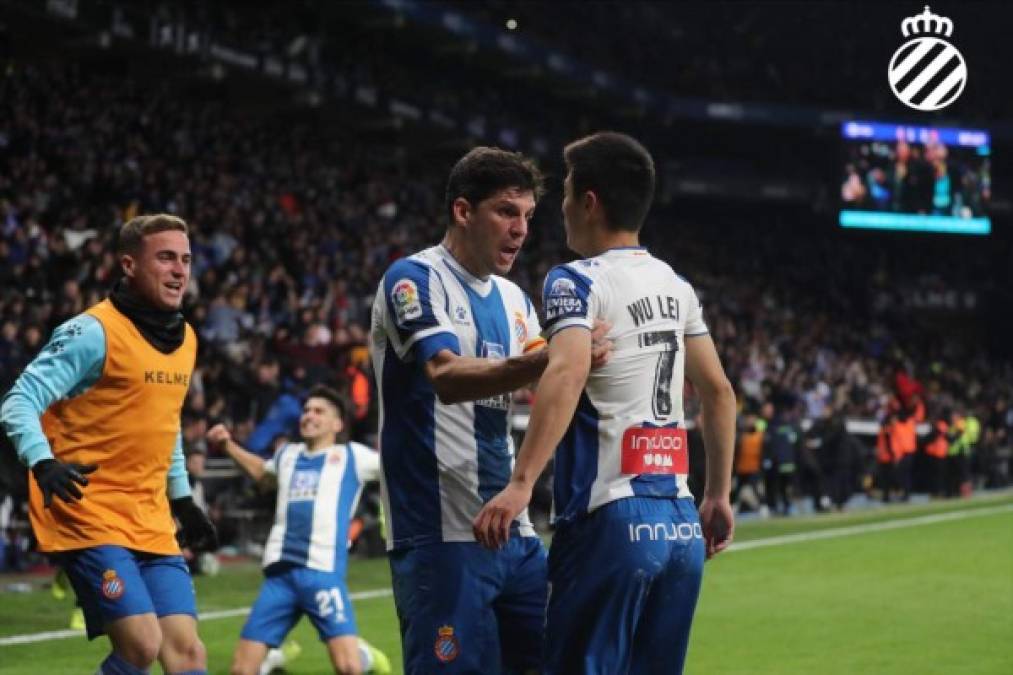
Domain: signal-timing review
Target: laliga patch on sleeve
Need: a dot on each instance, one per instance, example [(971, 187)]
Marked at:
[(405, 298)]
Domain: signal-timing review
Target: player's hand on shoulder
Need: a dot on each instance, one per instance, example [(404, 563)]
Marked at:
[(61, 479), (718, 523), (491, 526), (601, 346), (219, 434)]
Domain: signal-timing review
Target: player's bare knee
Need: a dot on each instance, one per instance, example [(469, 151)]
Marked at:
[(141, 650), (186, 651), (195, 654)]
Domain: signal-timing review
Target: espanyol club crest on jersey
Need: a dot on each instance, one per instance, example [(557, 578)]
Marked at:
[(520, 328), (927, 72)]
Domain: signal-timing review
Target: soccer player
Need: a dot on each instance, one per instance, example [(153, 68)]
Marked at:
[(109, 388), (627, 556), (306, 558), (450, 340)]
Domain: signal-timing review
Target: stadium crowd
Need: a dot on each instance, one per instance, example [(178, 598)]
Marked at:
[(292, 226), (709, 51)]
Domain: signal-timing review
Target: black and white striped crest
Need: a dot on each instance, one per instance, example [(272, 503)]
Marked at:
[(927, 73)]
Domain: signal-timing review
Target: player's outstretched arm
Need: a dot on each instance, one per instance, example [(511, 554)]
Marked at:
[(251, 464), (569, 355), (465, 378), (703, 368), (461, 378)]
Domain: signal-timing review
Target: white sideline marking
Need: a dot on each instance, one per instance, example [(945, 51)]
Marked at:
[(780, 540), (243, 611), (29, 638), (831, 533)]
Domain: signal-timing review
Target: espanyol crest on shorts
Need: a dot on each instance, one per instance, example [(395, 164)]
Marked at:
[(927, 72)]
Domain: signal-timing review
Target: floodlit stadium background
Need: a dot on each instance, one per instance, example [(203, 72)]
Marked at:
[(308, 144)]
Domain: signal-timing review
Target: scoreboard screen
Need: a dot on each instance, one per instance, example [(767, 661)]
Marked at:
[(915, 179)]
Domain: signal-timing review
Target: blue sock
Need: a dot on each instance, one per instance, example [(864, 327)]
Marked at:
[(114, 665)]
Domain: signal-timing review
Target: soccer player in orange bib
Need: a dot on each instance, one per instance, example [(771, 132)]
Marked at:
[(96, 417)]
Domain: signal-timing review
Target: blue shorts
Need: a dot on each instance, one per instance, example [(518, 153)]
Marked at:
[(288, 592), (623, 587), (466, 609), (112, 582)]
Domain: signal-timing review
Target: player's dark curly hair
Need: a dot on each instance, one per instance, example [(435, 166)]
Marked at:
[(484, 171), (619, 171)]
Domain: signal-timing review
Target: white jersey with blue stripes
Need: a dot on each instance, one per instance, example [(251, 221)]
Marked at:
[(317, 495), (627, 437), (440, 463)]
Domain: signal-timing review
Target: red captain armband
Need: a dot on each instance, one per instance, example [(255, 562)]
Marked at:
[(654, 450)]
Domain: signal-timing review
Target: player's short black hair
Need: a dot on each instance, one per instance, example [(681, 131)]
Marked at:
[(619, 171), (330, 395), (484, 171)]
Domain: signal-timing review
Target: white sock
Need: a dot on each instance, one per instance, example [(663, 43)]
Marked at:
[(274, 659), (365, 656)]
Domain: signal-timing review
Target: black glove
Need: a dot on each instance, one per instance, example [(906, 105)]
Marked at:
[(58, 478), (196, 531)]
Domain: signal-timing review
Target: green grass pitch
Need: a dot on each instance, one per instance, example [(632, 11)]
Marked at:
[(890, 596)]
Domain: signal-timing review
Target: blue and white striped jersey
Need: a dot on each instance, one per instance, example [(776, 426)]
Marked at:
[(317, 495), (440, 463), (627, 437)]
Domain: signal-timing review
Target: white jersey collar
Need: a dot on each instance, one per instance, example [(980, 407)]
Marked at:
[(626, 250), (316, 453), (477, 284)]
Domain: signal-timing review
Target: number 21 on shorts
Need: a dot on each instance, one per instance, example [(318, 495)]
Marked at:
[(329, 601)]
